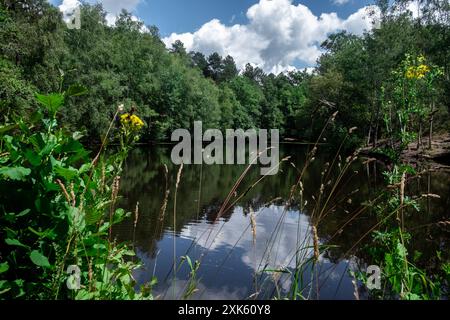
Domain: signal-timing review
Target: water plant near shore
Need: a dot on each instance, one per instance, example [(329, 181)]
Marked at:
[(404, 118)]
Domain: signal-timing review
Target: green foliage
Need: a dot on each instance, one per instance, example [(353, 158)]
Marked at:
[(408, 101), (249, 96), (57, 209), (192, 284), (401, 277), (173, 88), (16, 95)]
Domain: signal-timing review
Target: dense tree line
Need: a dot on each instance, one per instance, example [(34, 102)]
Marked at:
[(173, 88)]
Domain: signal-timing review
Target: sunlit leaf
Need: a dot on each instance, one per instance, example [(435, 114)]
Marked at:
[(51, 102), (15, 173), (39, 259), (66, 173)]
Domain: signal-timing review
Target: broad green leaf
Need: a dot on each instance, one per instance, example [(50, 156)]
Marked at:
[(24, 127), (15, 173), (32, 157), (76, 90), (23, 213), (15, 242), (4, 267), (66, 173), (72, 146), (52, 101), (76, 218), (37, 141), (7, 128), (84, 168), (48, 233), (50, 185), (36, 116), (84, 295), (49, 146), (39, 259), (99, 246), (4, 286), (120, 215), (93, 216), (77, 135)]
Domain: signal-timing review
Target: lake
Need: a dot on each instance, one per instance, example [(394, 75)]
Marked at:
[(233, 251)]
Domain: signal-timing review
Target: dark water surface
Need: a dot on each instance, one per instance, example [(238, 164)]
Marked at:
[(231, 255)]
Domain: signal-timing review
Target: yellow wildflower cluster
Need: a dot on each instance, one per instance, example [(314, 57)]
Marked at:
[(418, 72), (133, 120)]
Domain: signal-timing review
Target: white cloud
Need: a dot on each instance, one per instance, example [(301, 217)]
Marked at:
[(310, 70), (415, 9), (278, 34), (360, 20), (115, 6), (236, 233), (67, 7), (340, 2), (280, 235), (112, 7)]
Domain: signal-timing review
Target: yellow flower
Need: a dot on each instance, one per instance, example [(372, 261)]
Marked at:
[(131, 120), (136, 121), (417, 72), (411, 73), (422, 70), (423, 67), (125, 118)]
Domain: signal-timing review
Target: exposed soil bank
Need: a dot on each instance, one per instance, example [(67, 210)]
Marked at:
[(438, 156)]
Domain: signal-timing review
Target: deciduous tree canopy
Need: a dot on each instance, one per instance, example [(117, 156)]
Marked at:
[(172, 88)]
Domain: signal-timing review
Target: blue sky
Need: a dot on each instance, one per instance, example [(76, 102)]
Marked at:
[(276, 35), (181, 16)]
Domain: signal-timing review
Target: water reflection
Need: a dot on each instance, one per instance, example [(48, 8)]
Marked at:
[(230, 255)]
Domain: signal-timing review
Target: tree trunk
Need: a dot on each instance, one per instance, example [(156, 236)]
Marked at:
[(429, 191), (430, 137), (419, 136), (375, 136)]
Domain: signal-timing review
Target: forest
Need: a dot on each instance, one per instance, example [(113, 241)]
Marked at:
[(173, 88), (75, 103)]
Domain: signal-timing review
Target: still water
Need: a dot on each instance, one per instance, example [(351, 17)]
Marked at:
[(233, 252)]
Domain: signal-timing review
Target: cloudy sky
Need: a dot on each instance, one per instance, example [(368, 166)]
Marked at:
[(276, 35)]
